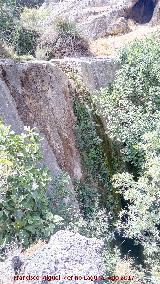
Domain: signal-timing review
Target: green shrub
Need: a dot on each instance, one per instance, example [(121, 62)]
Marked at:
[(93, 156), (25, 41), (130, 104), (30, 3), (143, 196), (9, 22), (24, 208), (32, 18), (61, 197), (65, 28), (22, 40), (87, 196)]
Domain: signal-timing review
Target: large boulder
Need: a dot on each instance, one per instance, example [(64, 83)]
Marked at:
[(68, 256), (93, 19)]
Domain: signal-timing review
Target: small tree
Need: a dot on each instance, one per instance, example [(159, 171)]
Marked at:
[(24, 208)]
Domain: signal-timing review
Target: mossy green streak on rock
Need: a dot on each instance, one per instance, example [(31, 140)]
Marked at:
[(96, 154), (106, 144), (96, 151)]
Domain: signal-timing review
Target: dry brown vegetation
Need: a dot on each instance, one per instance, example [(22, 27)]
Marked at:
[(110, 45)]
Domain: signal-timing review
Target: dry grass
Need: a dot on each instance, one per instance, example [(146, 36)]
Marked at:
[(127, 268), (33, 248), (6, 51), (111, 44)]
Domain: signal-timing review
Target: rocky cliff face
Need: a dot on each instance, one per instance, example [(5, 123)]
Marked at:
[(38, 95), (100, 18)]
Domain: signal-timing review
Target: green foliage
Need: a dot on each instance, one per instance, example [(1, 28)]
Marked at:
[(93, 158), (98, 225), (65, 27), (25, 41), (130, 105), (87, 197), (61, 199), (24, 208), (143, 195), (22, 40), (32, 18), (29, 3), (9, 13)]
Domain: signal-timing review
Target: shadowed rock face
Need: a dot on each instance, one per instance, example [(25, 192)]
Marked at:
[(40, 94), (142, 11)]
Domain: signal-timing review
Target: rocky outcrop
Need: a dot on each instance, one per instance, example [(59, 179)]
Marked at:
[(156, 14), (67, 254), (95, 73), (100, 18), (93, 19), (39, 96)]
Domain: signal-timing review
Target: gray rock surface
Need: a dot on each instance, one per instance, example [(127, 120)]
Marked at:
[(95, 72), (156, 14), (99, 18), (93, 18), (38, 95), (67, 254)]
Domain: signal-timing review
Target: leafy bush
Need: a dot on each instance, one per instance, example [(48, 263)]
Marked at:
[(9, 14), (29, 3), (64, 27), (143, 213), (93, 156), (61, 197), (87, 197), (130, 104), (22, 40), (25, 41), (130, 107), (32, 18), (24, 208)]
